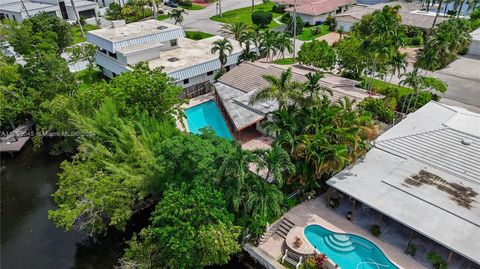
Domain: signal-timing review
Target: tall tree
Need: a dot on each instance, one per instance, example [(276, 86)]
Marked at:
[(223, 47), (279, 89), (177, 15)]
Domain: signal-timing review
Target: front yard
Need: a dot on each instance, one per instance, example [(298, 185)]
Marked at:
[(312, 32), (245, 15), (77, 34)]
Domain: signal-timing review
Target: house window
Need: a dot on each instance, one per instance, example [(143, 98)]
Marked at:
[(104, 51), (209, 73), (227, 68), (186, 81), (173, 43), (113, 55), (13, 16)]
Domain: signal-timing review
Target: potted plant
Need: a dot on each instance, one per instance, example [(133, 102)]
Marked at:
[(375, 230), (298, 242)]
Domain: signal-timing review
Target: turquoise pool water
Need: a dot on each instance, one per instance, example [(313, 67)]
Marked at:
[(207, 114), (347, 250)]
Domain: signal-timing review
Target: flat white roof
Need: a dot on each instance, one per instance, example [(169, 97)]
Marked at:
[(425, 173), (134, 30), (31, 6), (189, 53), (133, 34)]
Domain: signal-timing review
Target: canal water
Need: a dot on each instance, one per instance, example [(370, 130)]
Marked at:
[(30, 240)]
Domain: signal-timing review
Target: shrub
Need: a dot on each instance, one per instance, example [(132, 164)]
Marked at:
[(475, 15), (436, 260), (416, 101), (378, 108), (390, 93), (300, 25), (82, 20), (375, 230), (185, 3), (411, 249), (331, 22), (285, 18), (416, 41), (262, 18), (279, 8)]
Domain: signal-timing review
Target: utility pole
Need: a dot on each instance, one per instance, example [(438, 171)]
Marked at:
[(294, 28), (24, 7), (78, 17)]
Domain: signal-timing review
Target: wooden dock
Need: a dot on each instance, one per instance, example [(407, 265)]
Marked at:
[(15, 140)]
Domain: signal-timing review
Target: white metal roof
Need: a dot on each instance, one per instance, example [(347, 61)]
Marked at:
[(435, 142)]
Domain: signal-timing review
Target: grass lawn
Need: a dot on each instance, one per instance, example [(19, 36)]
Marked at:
[(77, 34), (245, 14), (285, 61), (193, 7), (197, 35), (162, 17), (307, 33), (87, 78)]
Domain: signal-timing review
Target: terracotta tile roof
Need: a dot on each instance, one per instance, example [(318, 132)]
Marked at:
[(319, 7)]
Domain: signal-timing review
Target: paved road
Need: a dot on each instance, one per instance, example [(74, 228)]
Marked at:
[(463, 80), (199, 20)]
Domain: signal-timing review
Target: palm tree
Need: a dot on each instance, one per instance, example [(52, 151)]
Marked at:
[(415, 81), (313, 88), (276, 162), (283, 43), (177, 15), (341, 31), (234, 29), (222, 46), (279, 89), (263, 199), (248, 38), (398, 64), (437, 13)]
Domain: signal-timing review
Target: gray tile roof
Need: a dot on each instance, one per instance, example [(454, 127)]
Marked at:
[(237, 86)]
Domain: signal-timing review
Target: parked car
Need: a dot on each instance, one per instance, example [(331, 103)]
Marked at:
[(171, 4)]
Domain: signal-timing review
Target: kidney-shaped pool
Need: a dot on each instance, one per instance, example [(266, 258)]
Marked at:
[(347, 250)]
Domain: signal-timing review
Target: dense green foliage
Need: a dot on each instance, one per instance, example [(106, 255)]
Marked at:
[(447, 40), (262, 18), (379, 109), (317, 54), (44, 32), (411, 102), (191, 228), (290, 25), (320, 137)]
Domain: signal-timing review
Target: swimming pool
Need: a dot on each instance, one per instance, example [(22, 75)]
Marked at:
[(207, 114), (347, 250)]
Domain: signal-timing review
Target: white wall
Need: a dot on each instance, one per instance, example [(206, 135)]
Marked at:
[(475, 48), (346, 25)]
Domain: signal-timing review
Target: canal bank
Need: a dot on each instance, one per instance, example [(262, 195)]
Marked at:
[(30, 240)]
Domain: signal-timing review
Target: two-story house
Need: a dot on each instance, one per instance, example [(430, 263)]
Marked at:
[(189, 62)]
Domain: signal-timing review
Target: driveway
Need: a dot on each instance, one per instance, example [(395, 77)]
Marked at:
[(199, 20), (463, 80)]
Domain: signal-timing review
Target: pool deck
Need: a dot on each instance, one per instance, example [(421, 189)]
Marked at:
[(248, 141), (316, 212)]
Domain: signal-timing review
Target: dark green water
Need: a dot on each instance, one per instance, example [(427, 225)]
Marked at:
[(30, 240)]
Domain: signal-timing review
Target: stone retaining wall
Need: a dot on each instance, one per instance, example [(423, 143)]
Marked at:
[(262, 258)]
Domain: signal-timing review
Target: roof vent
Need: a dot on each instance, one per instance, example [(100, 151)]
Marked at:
[(173, 59), (162, 27), (466, 141)]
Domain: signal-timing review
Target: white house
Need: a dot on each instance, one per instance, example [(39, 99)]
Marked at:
[(17, 11), (316, 11), (190, 63), (475, 45), (409, 12), (424, 173)]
